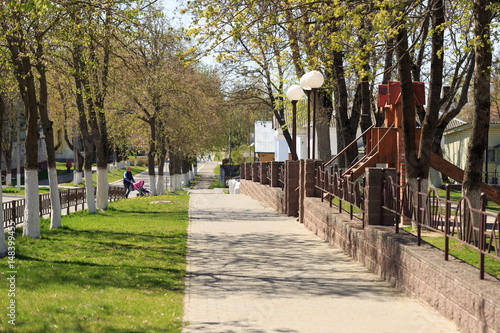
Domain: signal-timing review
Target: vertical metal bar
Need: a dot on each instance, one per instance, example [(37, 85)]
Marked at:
[(482, 236), (67, 200), (447, 223), (398, 201), (14, 213), (314, 124), (363, 201), (76, 199), (40, 206), (419, 201)]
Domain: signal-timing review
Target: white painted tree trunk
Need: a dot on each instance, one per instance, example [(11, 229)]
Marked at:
[(152, 184), (434, 178), (195, 168), (161, 184), (102, 189), (175, 183), (55, 203), (31, 226), (3, 246), (8, 180), (79, 178), (186, 179), (191, 175), (89, 192)]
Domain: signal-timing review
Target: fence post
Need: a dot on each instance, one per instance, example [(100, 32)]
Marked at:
[(291, 184), (263, 173), (14, 212), (242, 171), (419, 204), (482, 236), (398, 201), (374, 213), (76, 199), (84, 197), (40, 206), (447, 223), (68, 192), (255, 171)]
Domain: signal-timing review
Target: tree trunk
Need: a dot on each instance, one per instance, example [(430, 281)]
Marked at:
[(88, 146), (151, 156), (346, 125), (175, 169), (185, 171), (48, 131), (161, 165), (481, 117), (31, 211), (3, 246)]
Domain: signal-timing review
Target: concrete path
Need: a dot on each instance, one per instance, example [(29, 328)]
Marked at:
[(251, 269)]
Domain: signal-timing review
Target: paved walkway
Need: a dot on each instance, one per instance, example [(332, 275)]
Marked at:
[(251, 269)]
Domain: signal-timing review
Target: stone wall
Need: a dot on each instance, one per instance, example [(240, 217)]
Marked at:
[(272, 196)]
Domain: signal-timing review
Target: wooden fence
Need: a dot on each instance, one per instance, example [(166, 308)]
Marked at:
[(13, 211)]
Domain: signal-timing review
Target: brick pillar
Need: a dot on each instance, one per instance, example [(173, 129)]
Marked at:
[(291, 185), (256, 171), (374, 214), (307, 183), (275, 169), (248, 171), (242, 171), (263, 173)]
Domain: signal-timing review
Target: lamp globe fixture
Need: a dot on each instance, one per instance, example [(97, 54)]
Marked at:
[(303, 82), (315, 79), (294, 93)]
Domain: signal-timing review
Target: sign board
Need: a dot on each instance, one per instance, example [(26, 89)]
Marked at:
[(264, 137)]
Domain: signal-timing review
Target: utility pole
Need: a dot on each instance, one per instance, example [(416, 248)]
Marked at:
[(18, 182), (230, 163)]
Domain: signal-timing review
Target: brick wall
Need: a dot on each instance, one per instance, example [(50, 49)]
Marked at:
[(272, 196), (452, 287)]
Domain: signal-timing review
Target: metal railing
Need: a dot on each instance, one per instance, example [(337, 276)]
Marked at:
[(454, 220), (342, 188), (13, 211), (281, 176)]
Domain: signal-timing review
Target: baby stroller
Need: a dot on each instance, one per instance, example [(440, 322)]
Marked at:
[(139, 186)]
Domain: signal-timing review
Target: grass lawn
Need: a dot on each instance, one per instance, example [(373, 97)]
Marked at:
[(455, 196), (463, 252), (118, 176), (118, 271), (13, 190)]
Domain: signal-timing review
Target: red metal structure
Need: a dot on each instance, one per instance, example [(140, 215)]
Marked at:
[(384, 145)]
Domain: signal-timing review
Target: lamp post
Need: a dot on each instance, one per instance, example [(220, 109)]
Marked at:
[(314, 80), (307, 90), (294, 93)]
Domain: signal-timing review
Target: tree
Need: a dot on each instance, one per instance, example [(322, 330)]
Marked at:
[(3, 246), (26, 45), (471, 186)]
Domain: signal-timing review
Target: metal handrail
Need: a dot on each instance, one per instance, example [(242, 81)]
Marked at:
[(348, 146)]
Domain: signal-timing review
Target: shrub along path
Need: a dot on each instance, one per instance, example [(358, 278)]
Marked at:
[(251, 269)]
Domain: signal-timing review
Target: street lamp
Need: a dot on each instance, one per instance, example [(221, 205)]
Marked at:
[(294, 93), (314, 80), (307, 90)]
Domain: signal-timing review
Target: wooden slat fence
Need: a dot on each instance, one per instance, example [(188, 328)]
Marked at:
[(71, 200)]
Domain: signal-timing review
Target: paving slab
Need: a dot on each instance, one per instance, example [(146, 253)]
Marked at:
[(251, 269)]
